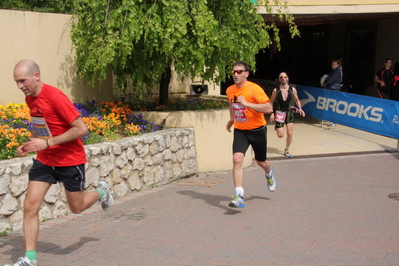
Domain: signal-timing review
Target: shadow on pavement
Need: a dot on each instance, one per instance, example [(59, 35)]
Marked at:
[(217, 201), (18, 249)]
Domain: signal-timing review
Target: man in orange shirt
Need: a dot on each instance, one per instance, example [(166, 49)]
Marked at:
[(248, 104)]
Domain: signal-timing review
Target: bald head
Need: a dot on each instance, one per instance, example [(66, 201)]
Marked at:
[(28, 66), (27, 76)]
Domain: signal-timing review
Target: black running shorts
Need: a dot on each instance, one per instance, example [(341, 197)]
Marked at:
[(73, 177), (255, 137)]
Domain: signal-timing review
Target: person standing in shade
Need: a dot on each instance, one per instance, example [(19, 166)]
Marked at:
[(284, 98), (60, 154), (384, 78), (334, 79), (248, 104)]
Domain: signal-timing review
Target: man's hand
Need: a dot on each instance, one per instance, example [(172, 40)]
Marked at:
[(229, 124), (33, 145), (271, 118), (241, 99), (21, 151)]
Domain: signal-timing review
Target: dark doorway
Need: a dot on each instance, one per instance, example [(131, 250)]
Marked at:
[(361, 59)]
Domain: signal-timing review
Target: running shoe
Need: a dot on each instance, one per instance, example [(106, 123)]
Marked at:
[(107, 201), (287, 154), (24, 261), (237, 202), (332, 124), (271, 182)]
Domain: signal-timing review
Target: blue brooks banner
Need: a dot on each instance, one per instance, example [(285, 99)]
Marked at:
[(370, 114)]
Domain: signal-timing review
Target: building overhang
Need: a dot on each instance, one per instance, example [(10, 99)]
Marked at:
[(325, 14)]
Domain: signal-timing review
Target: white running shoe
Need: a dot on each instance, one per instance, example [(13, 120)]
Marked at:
[(24, 261), (271, 182), (237, 202), (107, 201)]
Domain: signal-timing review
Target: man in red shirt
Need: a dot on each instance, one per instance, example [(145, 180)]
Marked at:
[(248, 104), (60, 154)]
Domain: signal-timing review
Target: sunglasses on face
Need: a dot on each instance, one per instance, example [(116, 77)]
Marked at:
[(281, 77), (237, 71)]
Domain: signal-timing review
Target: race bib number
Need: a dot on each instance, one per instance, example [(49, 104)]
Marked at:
[(280, 116), (40, 128), (239, 112)]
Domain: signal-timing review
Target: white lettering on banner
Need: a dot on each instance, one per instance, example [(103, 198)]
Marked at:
[(351, 109), (395, 119)]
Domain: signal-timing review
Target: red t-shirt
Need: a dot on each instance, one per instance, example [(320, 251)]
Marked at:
[(58, 112), (246, 118)]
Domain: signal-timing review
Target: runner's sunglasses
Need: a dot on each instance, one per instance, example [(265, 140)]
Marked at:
[(239, 72)]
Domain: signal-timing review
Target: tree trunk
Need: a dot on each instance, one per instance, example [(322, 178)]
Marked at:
[(164, 87)]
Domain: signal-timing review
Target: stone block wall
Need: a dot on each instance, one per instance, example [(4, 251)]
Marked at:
[(128, 165)]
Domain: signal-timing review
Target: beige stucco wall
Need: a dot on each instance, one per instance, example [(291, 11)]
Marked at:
[(44, 38), (212, 141)]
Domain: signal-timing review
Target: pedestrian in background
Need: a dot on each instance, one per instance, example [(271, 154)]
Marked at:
[(384, 78), (334, 80)]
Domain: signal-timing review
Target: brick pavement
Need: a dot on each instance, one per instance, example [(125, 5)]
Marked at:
[(326, 211)]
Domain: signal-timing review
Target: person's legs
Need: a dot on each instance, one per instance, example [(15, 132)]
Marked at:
[(265, 165), (238, 159), (34, 198), (238, 197), (73, 178), (280, 132), (79, 201), (240, 146), (381, 94), (290, 129), (258, 141), (40, 180)]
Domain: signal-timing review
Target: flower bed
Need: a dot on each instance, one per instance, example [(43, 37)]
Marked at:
[(105, 121)]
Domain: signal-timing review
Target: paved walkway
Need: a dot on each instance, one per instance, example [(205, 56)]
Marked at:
[(312, 138), (327, 210)]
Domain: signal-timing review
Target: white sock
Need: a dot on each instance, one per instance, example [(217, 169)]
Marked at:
[(269, 175), (240, 191)]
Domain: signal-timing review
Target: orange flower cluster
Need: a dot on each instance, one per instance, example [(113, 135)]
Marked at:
[(119, 109), (10, 137), (132, 129), (96, 125), (16, 111), (13, 135)]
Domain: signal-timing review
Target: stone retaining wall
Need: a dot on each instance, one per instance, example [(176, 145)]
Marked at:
[(128, 165)]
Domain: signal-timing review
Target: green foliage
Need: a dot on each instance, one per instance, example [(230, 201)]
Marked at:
[(180, 104), (93, 138), (5, 232), (140, 39), (48, 6)]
